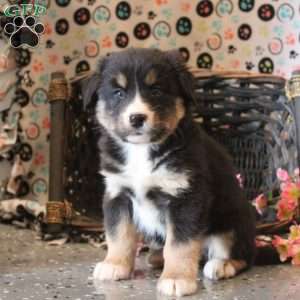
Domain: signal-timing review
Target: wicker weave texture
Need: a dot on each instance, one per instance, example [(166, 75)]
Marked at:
[(252, 117)]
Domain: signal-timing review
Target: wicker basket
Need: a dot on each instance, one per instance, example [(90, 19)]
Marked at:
[(252, 117), (249, 114), (84, 186)]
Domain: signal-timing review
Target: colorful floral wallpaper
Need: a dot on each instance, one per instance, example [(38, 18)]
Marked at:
[(255, 35)]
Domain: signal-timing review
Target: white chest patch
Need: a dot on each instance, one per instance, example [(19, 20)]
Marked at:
[(139, 176)]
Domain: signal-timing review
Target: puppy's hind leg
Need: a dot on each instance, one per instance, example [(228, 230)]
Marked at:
[(220, 265), (155, 258), (121, 238)]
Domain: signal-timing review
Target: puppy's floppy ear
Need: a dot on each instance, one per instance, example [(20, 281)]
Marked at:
[(186, 79), (89, 88), (91, 84)]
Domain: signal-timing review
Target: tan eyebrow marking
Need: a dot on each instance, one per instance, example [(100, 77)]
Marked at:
[(150, 77), (121, 80)]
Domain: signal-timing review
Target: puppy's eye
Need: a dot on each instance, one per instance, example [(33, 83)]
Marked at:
[(120, 94), (156, 92)]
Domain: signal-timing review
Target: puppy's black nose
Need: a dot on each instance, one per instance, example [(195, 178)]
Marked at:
[(137, 120)]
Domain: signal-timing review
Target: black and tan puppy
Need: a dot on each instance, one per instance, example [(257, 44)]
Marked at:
[(164, 176)]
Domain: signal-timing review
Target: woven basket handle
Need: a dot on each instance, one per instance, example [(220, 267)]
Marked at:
[(58, 94), (233, 74)]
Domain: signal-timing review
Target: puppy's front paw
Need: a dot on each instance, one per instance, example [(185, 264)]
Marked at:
[(106, 270), (216, 269), (177, 286)]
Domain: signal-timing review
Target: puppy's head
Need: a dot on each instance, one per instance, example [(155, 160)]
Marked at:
[(142, 94)]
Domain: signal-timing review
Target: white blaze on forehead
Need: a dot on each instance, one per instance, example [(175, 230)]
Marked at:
[(138, 106)]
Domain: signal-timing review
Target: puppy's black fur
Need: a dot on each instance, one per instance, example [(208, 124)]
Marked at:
[(211, 203)]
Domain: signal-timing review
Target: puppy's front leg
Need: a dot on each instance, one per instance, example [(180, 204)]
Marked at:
[(121, 239), (179, 276)]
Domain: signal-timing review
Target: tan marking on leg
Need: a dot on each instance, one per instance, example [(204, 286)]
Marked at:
[(180, 271), (151, 77), (121, 80), (119, 261)]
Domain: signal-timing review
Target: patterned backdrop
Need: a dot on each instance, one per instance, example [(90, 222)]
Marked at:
[(255, 35)]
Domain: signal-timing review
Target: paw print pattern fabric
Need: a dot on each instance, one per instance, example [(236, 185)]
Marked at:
[(8, 76), (254, 35), (9, 111)]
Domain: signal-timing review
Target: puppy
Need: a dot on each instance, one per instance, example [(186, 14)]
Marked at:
[(164, 176)]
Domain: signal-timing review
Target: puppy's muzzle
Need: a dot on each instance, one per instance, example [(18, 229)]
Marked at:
[(137, 120)]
